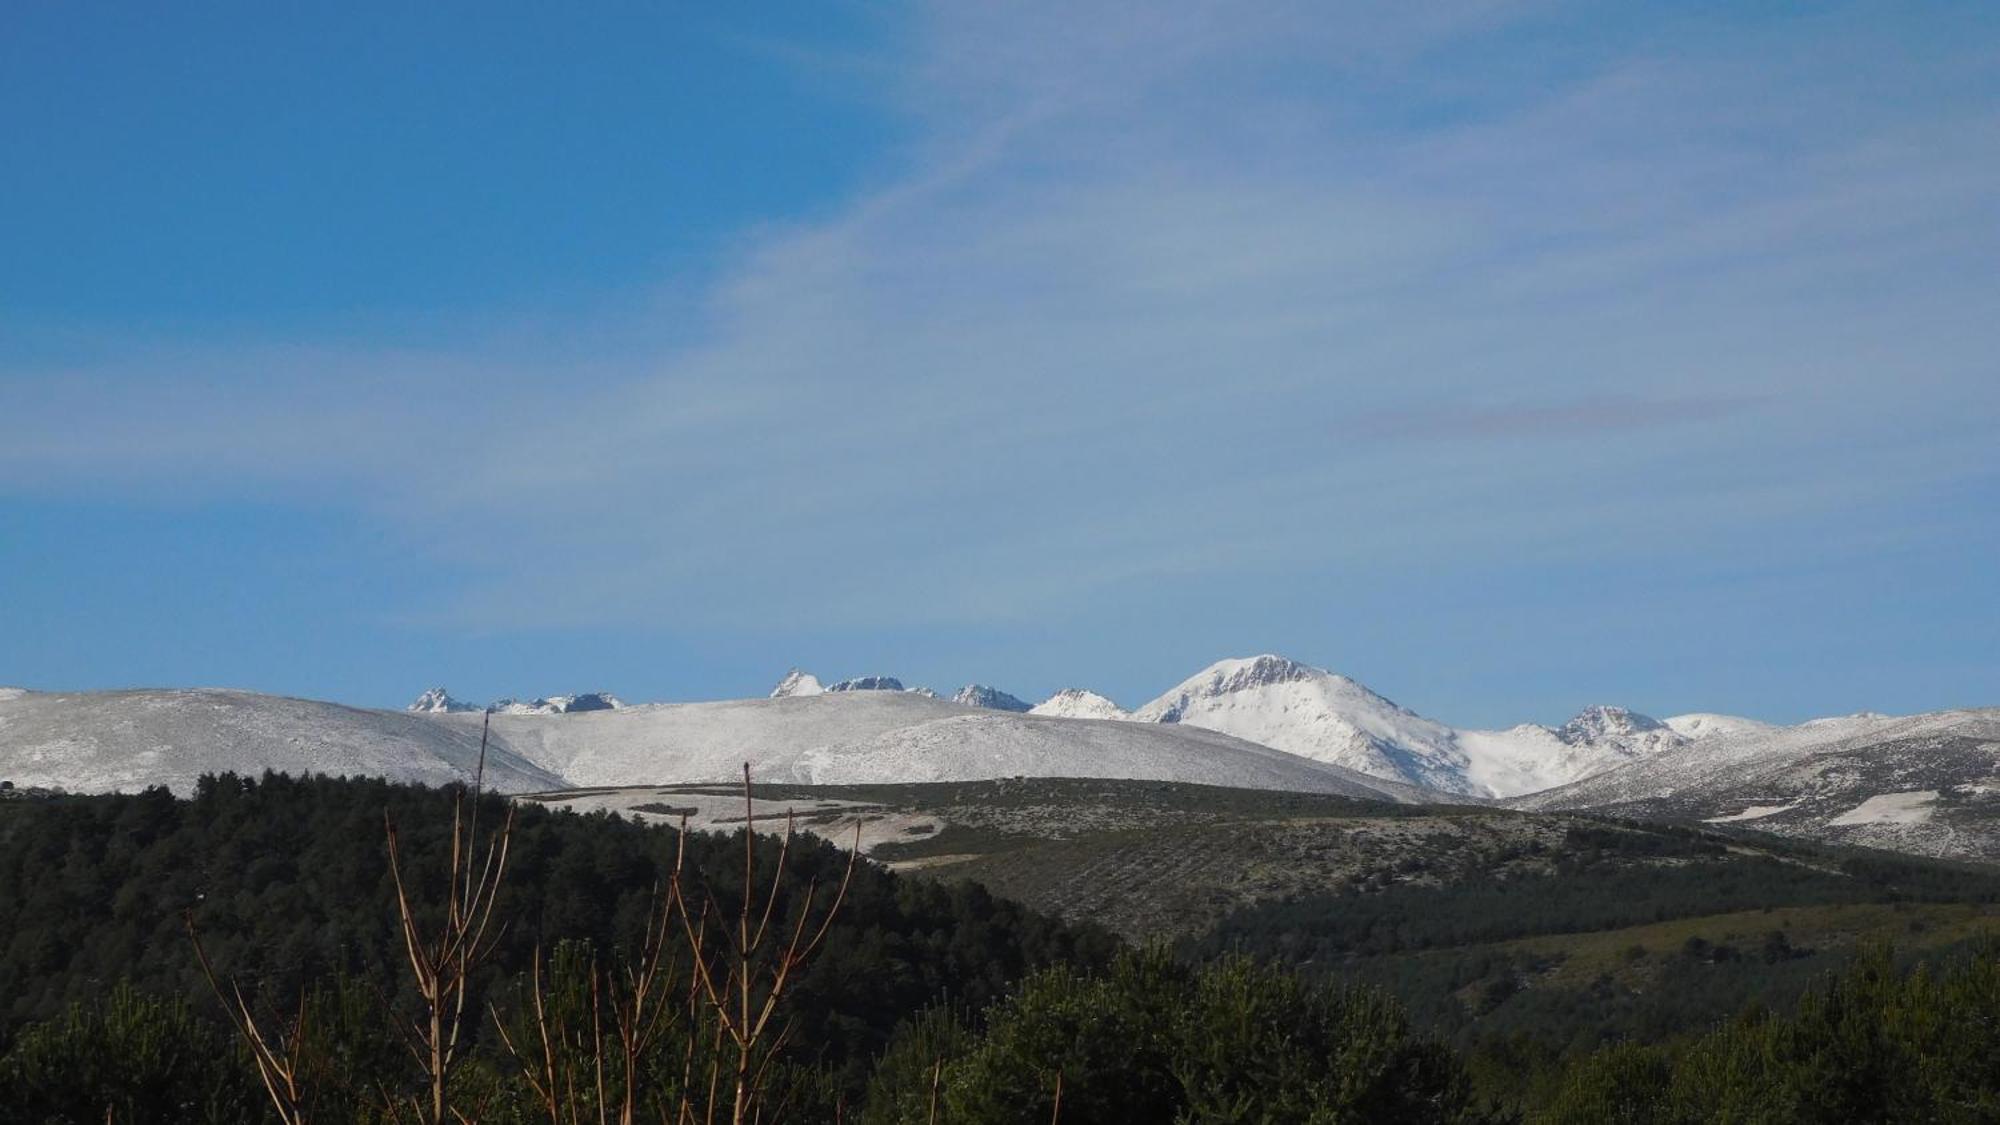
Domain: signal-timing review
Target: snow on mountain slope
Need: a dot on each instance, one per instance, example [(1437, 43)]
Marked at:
[(128, 740), (1330, 718), (103, 741), (1319, 715), (1603, 726), (883, 736), (1076, 703), (1706, 763), (1924, 783), (796, 683), (1702, 724), (990, 699)]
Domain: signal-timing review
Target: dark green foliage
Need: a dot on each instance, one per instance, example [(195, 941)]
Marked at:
[(289, 882), (1587, 890), (1258, 1044), (1436, 946), (908, 1075), (143, 1059), (924, 989), (1156, 1040), (1110, 1037), (1873, 1045)]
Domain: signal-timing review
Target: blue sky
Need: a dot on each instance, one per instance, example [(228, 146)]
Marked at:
[(1508, 357)]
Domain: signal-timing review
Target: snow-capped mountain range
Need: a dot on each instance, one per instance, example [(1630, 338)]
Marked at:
[(1330, 718), (1262, 721), (1924, 783), (990, 699), (128, 740), (438, 701)]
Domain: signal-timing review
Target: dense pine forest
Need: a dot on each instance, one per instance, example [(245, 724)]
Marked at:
[(912, 999)]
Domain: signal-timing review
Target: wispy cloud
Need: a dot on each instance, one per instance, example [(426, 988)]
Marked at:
[(1165, 289), (1448, 422)]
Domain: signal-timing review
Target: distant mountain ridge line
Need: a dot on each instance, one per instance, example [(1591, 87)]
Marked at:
[(97, 742), (1255, 722)]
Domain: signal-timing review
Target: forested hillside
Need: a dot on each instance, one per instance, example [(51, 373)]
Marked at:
[(1471, 967), (289, 883)]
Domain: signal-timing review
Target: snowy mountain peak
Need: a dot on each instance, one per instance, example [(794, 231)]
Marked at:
[(868, 683), (1316, 714), (992, 699), (1076, 703), (1593, 725), (797, 683), (438, 701), (1257, 671), (1249, 675)]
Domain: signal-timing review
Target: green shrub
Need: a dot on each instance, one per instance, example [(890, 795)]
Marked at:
[(143, 1059), (1155, 1040)]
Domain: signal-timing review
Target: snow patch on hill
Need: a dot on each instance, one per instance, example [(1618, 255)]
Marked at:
[(1891, 808)]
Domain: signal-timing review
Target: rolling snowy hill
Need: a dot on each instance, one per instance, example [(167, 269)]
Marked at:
[(102, 741), (128, 740)]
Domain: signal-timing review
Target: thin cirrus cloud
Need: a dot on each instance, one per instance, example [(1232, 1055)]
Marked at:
[(1449, 422), (1163, 291)]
